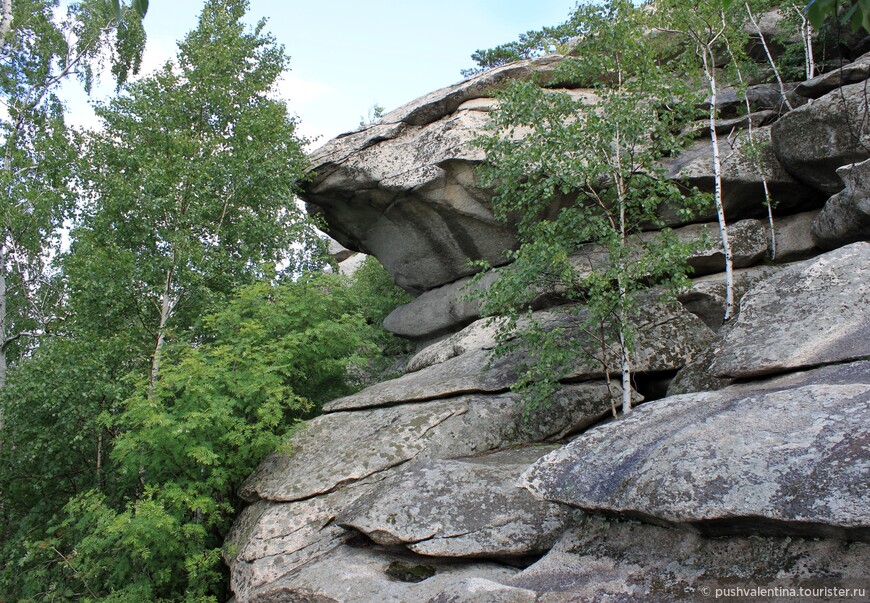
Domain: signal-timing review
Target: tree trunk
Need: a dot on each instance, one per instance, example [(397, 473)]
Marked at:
[(5, 20), (768, 201), (166, 307), (626, 376), (4, 327), (769, 56), (709, 68)]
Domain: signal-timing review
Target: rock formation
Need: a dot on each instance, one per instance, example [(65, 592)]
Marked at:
[(439, 486)]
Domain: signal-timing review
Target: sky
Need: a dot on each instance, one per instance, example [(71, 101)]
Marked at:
[(347, 55)]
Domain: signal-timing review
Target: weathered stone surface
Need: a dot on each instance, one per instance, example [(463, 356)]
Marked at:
[(340, 448), (696, 375), (445, 101), (850, 73), (362, 574), (748, 240), (337, 251), (814, 140), (742, 186), (846, 216), (443, 310), (606, 560), (793, 237), (727, 126), (349, 266), (422, 508), (790, 457), (405, 190), (479, 335), (437, 311), (668, 336), (731, 101), (270, 540), (477, 590), (464, 374), (706, 298), (811, 313)]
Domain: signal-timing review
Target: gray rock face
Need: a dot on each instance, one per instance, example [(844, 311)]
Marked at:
[(731, 102), (479, 335), (670, 335), (742, 186), (444, 309), (445, 101), (341, 448), (851, 73), (706, 298), (748, 240), (846, 216), (412, 203), (814, 140), (793, 237), (364, 574), (696, 375), (464, 374), (783, 458), (437, 311), (604, 560), (274, 539), (405, 191), (811, 313), (422, 508)]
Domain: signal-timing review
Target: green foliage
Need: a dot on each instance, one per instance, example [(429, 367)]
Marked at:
[(856, 12), (375, 113), (42, 48), (117, 487), (150, 523), (190, 187), (579, 173), (529, 45)]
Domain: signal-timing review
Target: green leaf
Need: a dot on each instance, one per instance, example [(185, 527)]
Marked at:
[(141, 7)]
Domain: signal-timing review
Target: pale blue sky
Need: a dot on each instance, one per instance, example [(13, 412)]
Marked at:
[(347, 55)]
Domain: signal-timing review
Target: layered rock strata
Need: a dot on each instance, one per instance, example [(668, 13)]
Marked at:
[(441, 486)]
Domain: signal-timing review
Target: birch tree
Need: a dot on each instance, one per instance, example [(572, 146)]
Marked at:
[(704, 27), (191, 189), (579, 171), (38, 52)]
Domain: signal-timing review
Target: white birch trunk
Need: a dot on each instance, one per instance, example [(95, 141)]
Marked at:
[(165, 312), (717, 177), (626, 375), (769, 56), (5, 20), (4, 327), (751, 133)]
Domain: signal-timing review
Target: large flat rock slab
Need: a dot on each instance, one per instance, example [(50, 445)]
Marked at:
[(338, 449), (421, 508), (814, 140), (450, 307), (602, 560), (809, 314), (405, 191), (791, 456), (467, 373), (706, 297), (669, 335), (363, 574), (846, 216), (742, 184), (269, 540)]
